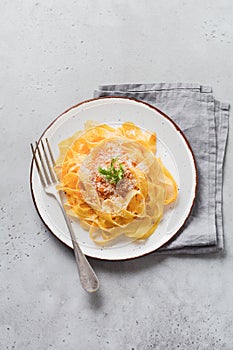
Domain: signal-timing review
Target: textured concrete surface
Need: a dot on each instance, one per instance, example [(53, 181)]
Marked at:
[(53, 54)]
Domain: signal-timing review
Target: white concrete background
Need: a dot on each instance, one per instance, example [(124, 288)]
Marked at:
[(53, 54)]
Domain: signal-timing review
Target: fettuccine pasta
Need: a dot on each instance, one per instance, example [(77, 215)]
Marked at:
[(113, 182)]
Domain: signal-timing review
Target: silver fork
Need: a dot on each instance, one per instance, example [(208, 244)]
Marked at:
[(45, 162)]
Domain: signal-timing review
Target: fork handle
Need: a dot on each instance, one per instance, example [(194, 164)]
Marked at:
[(88, 278)]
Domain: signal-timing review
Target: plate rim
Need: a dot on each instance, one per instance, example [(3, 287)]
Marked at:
[(177, 129)]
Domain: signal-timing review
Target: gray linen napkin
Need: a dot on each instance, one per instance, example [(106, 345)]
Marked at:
[(204, 122)]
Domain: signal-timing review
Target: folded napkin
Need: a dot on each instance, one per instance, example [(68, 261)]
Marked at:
[(204, 121)]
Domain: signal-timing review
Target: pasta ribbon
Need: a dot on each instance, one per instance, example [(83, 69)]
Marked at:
[(113, 182)]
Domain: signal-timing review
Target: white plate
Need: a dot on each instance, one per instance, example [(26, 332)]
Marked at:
[(172, 147)]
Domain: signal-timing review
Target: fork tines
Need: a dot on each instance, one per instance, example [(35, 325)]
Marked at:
[(44, 161)]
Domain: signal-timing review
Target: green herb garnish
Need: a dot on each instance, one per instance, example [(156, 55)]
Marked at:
[(112, 174)]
